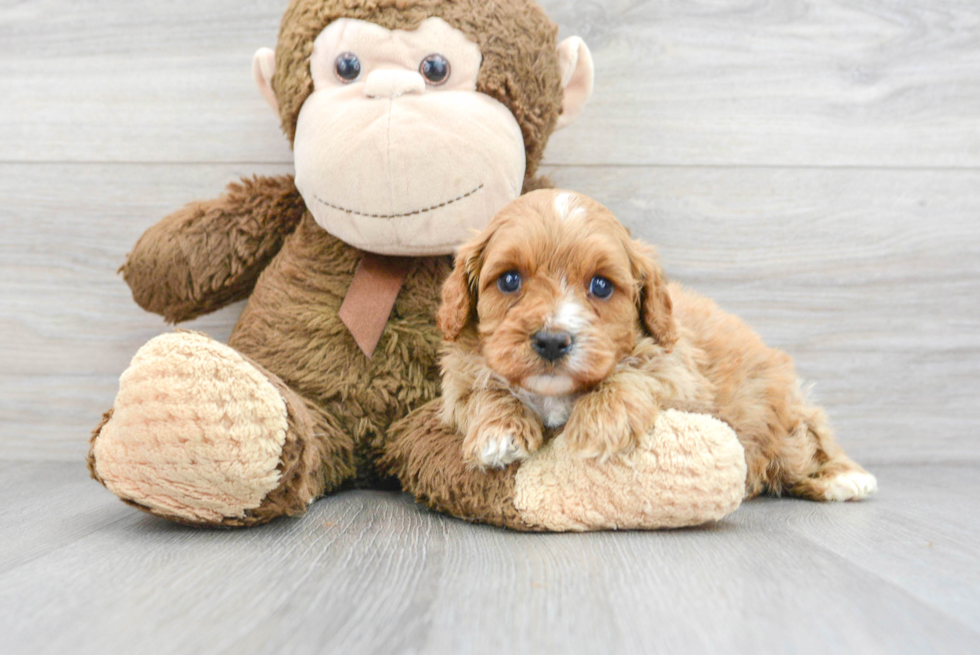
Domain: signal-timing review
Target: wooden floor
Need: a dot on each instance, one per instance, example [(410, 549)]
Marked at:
[(814, 165), (369, 572)]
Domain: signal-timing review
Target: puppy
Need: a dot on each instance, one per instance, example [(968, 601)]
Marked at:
[(556, 320)]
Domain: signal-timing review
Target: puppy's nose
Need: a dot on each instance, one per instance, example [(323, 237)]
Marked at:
[(552, 346)]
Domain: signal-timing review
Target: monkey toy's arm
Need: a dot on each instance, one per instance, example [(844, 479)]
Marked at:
[(210, 253)]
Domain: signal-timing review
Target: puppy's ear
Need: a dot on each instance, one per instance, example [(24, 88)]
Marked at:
[(459, 292), (656, 308)]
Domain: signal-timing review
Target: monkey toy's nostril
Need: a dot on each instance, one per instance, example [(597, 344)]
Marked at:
[(552, 346)]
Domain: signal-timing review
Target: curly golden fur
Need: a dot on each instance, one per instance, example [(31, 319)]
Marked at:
[(621, 359)]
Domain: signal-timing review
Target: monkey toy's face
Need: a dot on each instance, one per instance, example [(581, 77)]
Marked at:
[(396, 151), (395, 146)]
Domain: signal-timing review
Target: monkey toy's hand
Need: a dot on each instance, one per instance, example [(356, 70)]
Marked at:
[(209, 254)]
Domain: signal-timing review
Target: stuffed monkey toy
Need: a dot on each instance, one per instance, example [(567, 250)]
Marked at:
[(412, 123)]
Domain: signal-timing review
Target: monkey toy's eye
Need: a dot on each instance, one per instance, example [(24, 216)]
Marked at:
[(600, 287), (348, 67), (435, 70), (509, 282)]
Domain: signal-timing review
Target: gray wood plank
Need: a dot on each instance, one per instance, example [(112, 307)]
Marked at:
[(880, 83), (869, 278), (920, 535), (133, 81), (44, 507), (810, 82), (369, 572)]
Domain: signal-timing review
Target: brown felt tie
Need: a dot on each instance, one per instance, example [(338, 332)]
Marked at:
[(371, 297)]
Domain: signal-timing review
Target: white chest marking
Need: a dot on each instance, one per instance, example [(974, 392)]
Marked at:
[(552, 410)]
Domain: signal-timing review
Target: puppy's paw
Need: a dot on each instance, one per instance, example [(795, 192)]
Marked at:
[(496, 452), (851, 485), (497, 445), (605, 427)]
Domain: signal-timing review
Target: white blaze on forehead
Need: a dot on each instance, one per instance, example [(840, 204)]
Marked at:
[(571, 317), (565, 206)]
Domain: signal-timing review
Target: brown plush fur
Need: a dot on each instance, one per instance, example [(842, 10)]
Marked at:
[(291, 327), (647, 347), (424, 455), (210, 253)]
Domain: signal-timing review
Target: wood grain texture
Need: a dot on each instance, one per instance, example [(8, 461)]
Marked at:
[(370, 572), (870, 279), (881, 83)]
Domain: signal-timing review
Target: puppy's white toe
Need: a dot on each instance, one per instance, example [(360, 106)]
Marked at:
[(853, 485), (499, 451)]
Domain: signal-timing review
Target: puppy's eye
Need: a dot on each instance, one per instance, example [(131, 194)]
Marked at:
[(509, 282), (435, 69), (600, 287), (347, 67)]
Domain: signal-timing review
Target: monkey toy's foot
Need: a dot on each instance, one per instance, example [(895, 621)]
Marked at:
[(199, 435)]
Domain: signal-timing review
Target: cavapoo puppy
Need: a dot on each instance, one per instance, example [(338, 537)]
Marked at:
[(556, 320)]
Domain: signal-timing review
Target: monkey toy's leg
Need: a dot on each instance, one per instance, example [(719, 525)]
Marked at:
[(202, 435), (688, 471)]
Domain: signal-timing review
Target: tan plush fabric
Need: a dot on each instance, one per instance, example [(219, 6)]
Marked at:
[(689, 470), (196, 432)]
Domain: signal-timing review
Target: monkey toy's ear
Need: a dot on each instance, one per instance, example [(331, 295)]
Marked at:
[(263, 69), (577, 75)]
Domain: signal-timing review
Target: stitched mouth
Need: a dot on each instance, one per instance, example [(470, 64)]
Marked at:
[(412, 213)]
